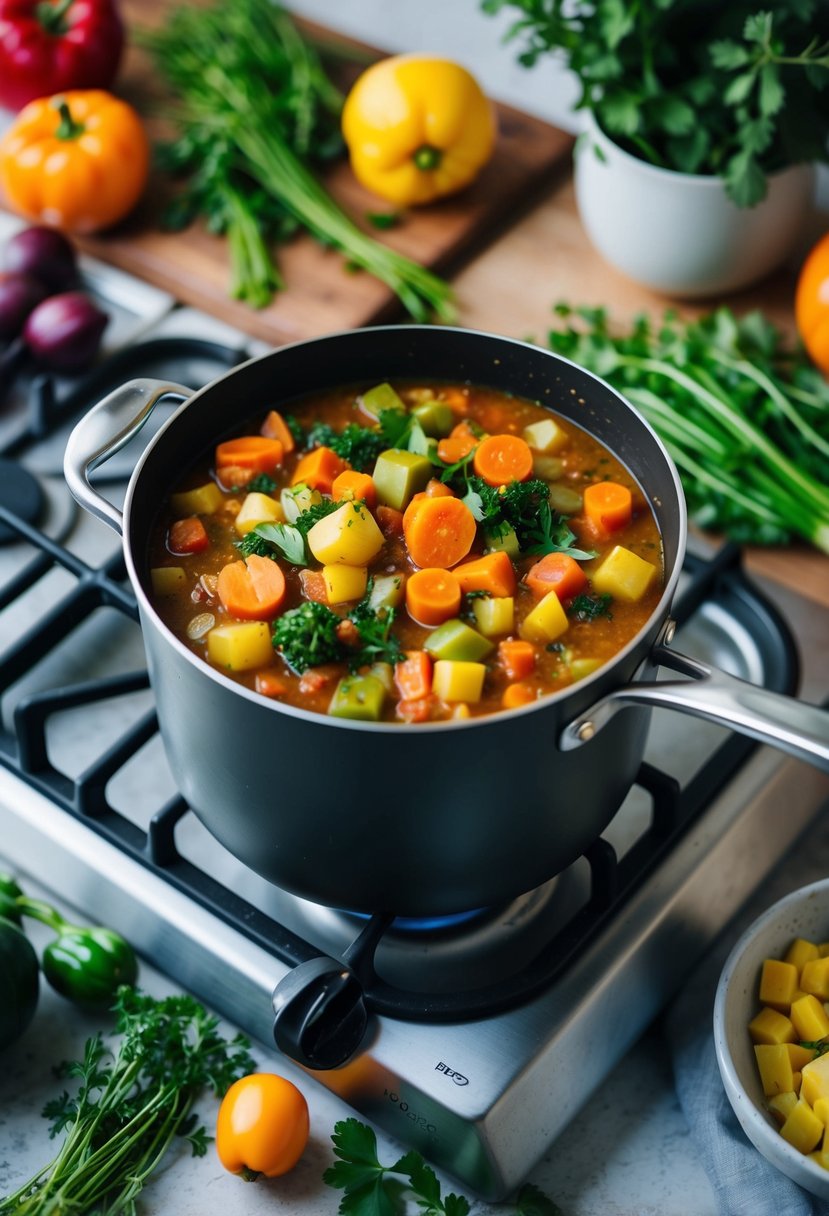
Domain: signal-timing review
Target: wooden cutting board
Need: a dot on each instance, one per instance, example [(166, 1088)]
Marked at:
[(321, 295)]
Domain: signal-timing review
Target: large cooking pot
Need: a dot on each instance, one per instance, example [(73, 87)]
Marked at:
[(426, 819)]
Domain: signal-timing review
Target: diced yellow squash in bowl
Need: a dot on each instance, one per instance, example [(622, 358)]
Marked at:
[(623, 574), (203, 500), (257, 509), (168, 580), (456, 680), (344, 583), (349, 535), (240, 646), (546, 622)]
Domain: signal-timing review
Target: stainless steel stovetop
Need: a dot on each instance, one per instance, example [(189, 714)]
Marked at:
[(486, 1036)]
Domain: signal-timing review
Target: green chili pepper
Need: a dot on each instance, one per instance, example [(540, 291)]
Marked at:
[(19, 982), (85, 965), (10, 892)]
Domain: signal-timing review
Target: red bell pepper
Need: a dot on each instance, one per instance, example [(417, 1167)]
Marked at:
[(49, 46)]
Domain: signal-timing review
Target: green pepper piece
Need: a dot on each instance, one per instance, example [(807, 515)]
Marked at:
[(10, 892), (85, 965), (399, 475), (435, 417), (19, 982), (381, 397), (359, 697), (456, 640), (506, 539)]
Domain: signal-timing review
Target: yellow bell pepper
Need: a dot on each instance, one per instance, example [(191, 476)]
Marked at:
[(417, 128)]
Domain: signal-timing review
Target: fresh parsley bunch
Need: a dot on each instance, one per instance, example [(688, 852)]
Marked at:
[(737, 90)]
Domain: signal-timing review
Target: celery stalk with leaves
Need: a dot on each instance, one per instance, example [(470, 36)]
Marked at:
[(744, 415), (256, 116)]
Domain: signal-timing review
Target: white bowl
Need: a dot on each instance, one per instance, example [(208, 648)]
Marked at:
[(680, 233), (803, 913)]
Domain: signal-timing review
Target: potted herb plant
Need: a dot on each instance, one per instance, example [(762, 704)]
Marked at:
[(704, 123)]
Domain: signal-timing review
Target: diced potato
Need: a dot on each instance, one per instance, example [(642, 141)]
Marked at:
[(778, 984), (453, 680), (800, 952), (387, 591), (348, 536), (815, 1083), (782, 1105), (240, 646), (358, 697), (455, 640), (771, 1026), (506, 540), (623, 574), (399, 475), (257, 509), (775, 1065), (296, 499), (564, 499), (343, 583), (381, 397), (545, 436), (204, 500), (546, 622), (548, 467), (168, 580), (494, 614), (809, 1018), (802, 1129), (814, 978)]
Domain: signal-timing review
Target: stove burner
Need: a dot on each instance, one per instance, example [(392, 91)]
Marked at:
[(20, 493), (418, 926)]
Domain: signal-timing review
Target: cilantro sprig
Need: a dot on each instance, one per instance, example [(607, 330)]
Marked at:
[(373, 1189)]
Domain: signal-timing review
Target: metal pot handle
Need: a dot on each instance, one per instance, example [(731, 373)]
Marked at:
[(103, 431), (791, 725)]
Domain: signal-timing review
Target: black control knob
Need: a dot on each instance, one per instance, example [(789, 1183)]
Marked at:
[(320, 1014)]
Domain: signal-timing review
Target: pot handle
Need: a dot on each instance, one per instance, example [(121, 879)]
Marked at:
[(795, 727), (103, 431)]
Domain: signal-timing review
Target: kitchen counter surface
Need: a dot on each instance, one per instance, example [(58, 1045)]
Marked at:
[(628, 1153)]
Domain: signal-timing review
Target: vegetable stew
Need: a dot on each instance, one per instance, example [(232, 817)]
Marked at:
[(407, 552)]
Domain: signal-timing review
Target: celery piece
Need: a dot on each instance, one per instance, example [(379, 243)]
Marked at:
[(398, 476), (359, 697), (386, 592), (381, 397), (435, 417), (457, 641)]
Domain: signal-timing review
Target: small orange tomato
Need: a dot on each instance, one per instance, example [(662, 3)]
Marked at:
[(262, 1126), (811, 304), (77, 161)]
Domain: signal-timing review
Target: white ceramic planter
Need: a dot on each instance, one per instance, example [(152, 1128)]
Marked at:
[(679, 233)]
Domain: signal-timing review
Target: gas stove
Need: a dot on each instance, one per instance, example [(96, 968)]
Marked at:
[(482, 1035)]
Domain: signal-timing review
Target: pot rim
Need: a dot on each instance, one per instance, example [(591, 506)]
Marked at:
[(656, 618)]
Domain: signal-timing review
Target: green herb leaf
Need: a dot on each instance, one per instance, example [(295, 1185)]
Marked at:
[(287, 540)]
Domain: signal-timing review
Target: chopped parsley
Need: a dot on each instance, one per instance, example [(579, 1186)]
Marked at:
[(591, 607), (553, 535), (359, 445), (306, 636), (287, 540), (261, 484)]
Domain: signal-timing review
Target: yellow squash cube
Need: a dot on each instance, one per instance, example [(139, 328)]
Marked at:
[(809, 1018), (623, 574), (800, 1056), (168, 580), (775, 1067), (546, 622), (814, 978), (782, 1105), (771, 1026), (802, 1129), (204, 500), (778, 984), (348, 536), (240, 647), (821, 1109), (455, 680), (545, 436), (257, 509), (801, 952), (815, 1083), (494, 615), (343, 583)]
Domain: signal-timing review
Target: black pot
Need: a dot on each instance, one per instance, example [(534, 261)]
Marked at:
[(439, 817)]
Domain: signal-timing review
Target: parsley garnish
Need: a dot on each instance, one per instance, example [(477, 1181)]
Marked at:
[(287, 539), (374, 1189), (552, 535), (359, 445), (306, 519), (590, 607), (378, 644), (306, 636), (261, 484), (819, 1046)]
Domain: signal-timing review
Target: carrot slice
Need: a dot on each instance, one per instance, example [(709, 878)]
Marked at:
[(187, 536), (413, 676), (270, 685), (275, 427), (439, 531), (250, 452), (500, 459), (556, 572), (608, 506), (517, 658), (252, 590), (434, 489), (454, 448), (415, 711), (313, 585), (517, 694), (493, 572), (318, 469), (432, 596), (390, 521), (354, 486)]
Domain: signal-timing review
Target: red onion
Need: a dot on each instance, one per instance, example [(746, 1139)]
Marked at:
[(44, 253), (19, 294), (64, 332)]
